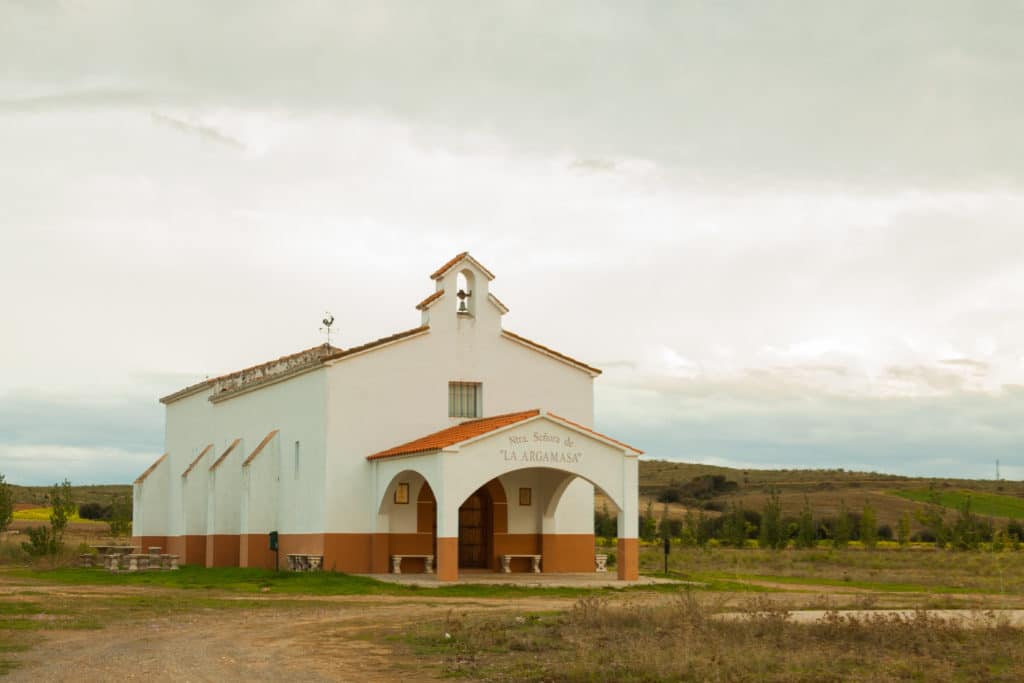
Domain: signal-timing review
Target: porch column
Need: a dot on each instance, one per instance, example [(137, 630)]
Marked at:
[(629, 545), (447, 565)]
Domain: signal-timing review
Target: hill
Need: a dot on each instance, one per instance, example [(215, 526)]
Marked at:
[(690, 486)]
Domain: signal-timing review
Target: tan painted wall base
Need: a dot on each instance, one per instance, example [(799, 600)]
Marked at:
[(568, 553), (448, 559), (195, 550), (222, 550), (254, 551), (144, 543), (629, 559)]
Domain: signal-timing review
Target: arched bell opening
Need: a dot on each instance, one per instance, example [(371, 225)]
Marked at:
[(464, 286)]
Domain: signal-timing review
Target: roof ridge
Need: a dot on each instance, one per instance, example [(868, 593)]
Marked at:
[(545, 349), (376, 342), (211, 381), (593, 431)]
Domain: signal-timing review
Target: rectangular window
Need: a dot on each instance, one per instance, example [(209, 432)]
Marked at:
[(465, 399), (296, 459)]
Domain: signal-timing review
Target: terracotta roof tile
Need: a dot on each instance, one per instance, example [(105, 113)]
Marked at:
[(440, 272), (225, 454), (195, 462), (444, 269), (556, 354), (577, 425), (258, 449), (457, 434), (429, 300), (151, 468), (378, 342)]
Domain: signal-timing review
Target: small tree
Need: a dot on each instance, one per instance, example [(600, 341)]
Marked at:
[(734, 527), (806, 534), (904, 529), (121, 517), (49, 540), (6, 504), (933, 518), (868, 527), (772, 535), (648, 524), (841, 532), (967, 530)]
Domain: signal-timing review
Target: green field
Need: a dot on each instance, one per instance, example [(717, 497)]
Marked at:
[(991, 504)]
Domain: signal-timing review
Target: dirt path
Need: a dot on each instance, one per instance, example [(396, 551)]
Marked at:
[(339, 639)]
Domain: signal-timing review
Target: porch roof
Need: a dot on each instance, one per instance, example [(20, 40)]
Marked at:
[(473, 429)]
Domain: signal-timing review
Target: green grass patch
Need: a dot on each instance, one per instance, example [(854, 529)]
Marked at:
[(262, 581), (992, 504), (886, 587)]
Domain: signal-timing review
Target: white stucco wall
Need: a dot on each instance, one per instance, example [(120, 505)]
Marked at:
[(260, 490), (150, 501), (295, 406), (397, 393)]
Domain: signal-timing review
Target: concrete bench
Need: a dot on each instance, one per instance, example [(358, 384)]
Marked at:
[(298, 562), (428, 563), (602, 562), (506, 563)]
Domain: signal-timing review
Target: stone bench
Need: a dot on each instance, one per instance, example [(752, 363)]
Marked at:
[(601, 561), (299, 562), (138, 562), (428, 563), (506, 562)]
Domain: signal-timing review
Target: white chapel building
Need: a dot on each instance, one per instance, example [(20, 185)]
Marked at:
[(455, 443)]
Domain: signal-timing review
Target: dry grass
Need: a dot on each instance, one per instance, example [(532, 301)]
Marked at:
[(682, 640), (923, 568)]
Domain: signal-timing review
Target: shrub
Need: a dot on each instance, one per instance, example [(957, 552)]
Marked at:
[(94, 511), (806, 534), (6, 504), (121, 516), (669, 495), (49, 540), (771, 534), (868, 527), (885, 533)]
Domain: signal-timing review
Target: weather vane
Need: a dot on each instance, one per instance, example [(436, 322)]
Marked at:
[(328, 321)]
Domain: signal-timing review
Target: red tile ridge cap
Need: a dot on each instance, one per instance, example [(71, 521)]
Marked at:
[(557, 354), (425, 304), (377, 342), (577, 425), (151, 468), (195, 462), (256, 451), (224, 454), (440, 272), (464, 431)]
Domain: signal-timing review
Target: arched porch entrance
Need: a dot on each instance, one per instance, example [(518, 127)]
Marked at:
[(482, 515)]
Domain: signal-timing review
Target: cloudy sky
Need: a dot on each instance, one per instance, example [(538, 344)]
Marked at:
[(792, 233)]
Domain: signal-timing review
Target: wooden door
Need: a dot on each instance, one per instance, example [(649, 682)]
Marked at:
[(474, 531)]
